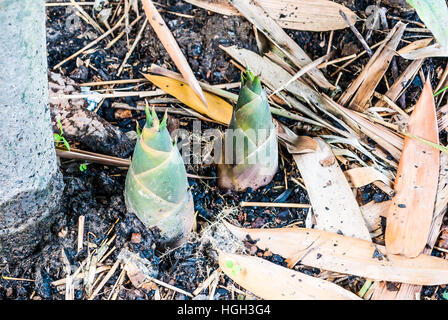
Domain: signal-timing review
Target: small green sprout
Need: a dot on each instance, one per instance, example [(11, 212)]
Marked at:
[(83, 167), (235, 268), (445, 294), (59, 137)]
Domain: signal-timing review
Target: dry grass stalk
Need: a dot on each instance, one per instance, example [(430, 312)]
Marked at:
[(134, 45), (90, 45)]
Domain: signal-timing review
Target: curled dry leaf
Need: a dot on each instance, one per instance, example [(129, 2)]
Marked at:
[(294, 143), (359, 177), (273, 282), (306, 15), (334, 252), (410, 215), (218, 109)]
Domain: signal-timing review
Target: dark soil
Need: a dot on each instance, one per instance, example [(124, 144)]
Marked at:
[(97, 193)]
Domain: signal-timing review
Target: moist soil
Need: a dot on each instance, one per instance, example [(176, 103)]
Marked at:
[(97, 192)]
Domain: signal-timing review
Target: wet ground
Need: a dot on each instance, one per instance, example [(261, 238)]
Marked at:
[(97, 193)]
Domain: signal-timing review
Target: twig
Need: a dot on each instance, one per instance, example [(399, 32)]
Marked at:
[(205, 283), (274, 204), (81, 220), (166, 285), (105, 279), (90, 45), (134, 45), (111, 82), (59, 4), (301, 72), (356, 32), (122, 33), (86, 15)]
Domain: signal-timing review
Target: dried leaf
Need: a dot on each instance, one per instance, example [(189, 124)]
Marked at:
[(171, 46), (418, 44), (334, 252), (407, 291), (306, 15), (361, 90), (273, 282), (372, 212), (435, 50), (294, 143), (359, 177), (218, 109), (334, 204), (261, 19), (410, 215)]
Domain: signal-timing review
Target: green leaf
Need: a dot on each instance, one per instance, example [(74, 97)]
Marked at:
[(163, 123), (445, 295), (66, 143), (60, 126), (440, 91), (57, 137), (434, 13), (429, 143), (83, 167)]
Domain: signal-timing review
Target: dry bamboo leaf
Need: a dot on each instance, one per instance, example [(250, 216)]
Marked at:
[(407, 291), (261, 19), (442, 117), (330, 251), (432, 51), (410, 215), (306, 15), (334, 205), (218, 109), (171, 46), (273, 282), (384, 137), (361, 90), (372, 212), (359, 177), (418, 44), (400, 84)]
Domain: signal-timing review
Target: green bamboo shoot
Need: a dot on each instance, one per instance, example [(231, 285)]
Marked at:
[(157, 189), (250, 155)]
